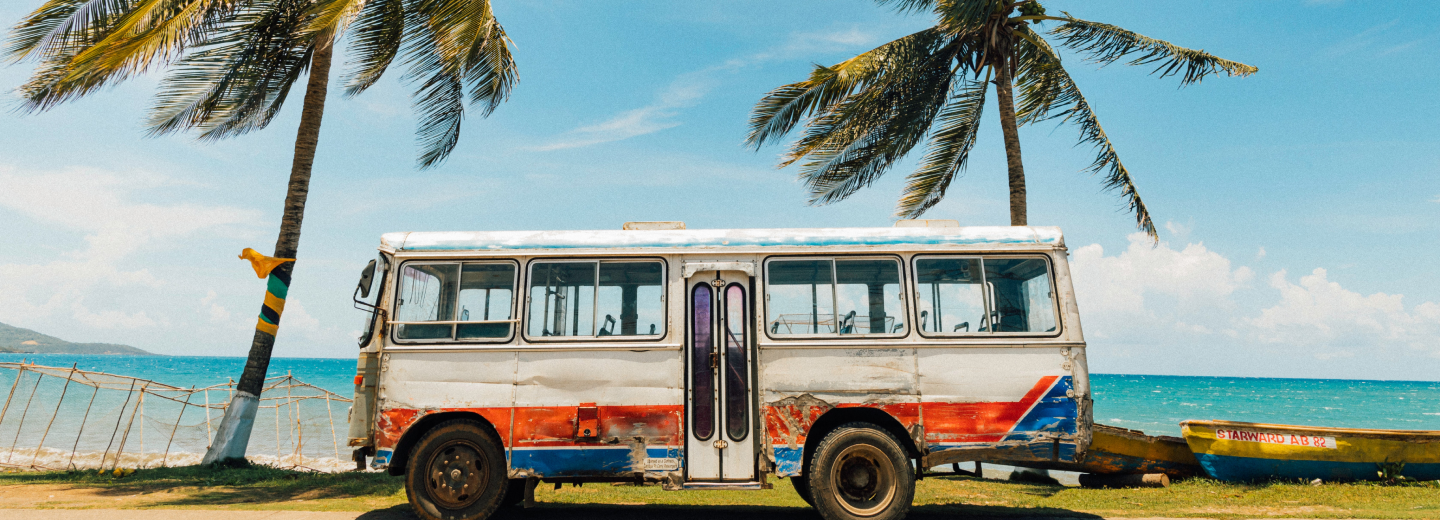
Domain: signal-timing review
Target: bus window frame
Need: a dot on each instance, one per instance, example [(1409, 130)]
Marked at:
[(385, 265), (1054, 294), (764, 295), (394, 300), (639, 338)]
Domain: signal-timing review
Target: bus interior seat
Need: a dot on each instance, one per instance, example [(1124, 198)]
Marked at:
[(609, 328)]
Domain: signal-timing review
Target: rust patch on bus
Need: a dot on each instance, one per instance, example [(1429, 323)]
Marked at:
[(789, 419), (392, 423)]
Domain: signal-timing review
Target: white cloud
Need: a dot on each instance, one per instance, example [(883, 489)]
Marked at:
[(99, 207), (1120, 284), (1158, 309), (689, 88), (1319, 313), (93, 201)]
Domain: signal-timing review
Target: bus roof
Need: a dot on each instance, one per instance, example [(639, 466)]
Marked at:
[(720, 238)]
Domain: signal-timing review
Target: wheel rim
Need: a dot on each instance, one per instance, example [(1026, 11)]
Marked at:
[(456, 474), (863, 479)]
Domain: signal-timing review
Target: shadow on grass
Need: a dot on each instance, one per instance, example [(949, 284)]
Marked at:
[(263, 485), (730, 512)]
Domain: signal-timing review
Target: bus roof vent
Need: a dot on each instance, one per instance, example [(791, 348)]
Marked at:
[(927, 223), (658, 225)]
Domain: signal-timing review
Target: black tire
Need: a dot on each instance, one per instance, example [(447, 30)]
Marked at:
[(802, 488), (514, 493), (860, 471), (456, 472)]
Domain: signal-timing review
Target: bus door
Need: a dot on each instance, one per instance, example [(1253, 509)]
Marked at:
[(720, 382)]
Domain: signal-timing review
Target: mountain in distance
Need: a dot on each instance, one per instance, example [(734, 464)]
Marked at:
[(18, 340)]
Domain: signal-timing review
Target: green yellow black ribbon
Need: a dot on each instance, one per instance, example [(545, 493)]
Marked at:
[(276, 287)]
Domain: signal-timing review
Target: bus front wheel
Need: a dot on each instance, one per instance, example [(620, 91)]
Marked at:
[(802, 488), (456, 472), (861, 472)]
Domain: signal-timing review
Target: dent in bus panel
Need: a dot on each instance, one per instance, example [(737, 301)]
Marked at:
[(593, 299)]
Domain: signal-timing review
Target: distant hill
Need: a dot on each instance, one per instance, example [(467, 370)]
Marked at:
[(16, 339)]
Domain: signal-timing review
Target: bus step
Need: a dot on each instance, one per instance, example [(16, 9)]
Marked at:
[(725, 485)]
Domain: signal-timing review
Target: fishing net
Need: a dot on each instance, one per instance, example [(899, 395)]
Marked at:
[(57, 418)]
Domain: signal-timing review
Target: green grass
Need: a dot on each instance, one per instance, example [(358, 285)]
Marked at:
[(260, 487)]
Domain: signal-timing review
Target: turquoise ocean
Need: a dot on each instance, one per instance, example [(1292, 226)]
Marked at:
[(1153, 404)]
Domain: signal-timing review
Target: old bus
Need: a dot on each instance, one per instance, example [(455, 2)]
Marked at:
[(846, 359)]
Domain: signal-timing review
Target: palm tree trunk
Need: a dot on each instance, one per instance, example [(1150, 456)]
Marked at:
[(1006, 96), (234, 433)]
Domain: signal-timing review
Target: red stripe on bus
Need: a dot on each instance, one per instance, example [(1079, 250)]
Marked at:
[(980, 422)]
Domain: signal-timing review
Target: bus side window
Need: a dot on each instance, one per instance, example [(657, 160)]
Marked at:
[(453, 294), (867, 293), (596, 299), (837, 296), (984, 295), (801, 299), (486, 295), (950, 294), (1020, 288), (427, 293)]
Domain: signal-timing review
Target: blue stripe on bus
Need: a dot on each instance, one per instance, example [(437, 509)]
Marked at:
[(1054, 413), (587, 461)]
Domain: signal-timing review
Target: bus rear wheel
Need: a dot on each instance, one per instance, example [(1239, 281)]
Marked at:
[(861, 472), (456, 472)]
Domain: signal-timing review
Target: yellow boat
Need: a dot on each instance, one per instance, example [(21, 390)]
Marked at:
[(1241, 451)]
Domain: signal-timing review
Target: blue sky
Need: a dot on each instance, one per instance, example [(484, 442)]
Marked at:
[(1298, 207)]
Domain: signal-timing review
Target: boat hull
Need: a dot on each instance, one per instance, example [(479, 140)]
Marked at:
[(1118, 451), (1242, 452)]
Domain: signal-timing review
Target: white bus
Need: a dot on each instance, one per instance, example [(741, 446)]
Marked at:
[(846, 359)]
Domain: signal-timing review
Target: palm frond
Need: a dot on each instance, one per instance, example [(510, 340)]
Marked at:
[(491, 69), (452, 44), (439, 98), (379, 31), (151, 32), (779, 111), (147, 33), (242, 78), (1048, 92), (956, 16), (856, 142), (53, 35), (948, 150), (1107, 44), (333, 17), (62, 27)]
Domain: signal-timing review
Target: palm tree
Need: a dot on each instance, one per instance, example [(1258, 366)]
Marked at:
[(232, 64), (865, 113)]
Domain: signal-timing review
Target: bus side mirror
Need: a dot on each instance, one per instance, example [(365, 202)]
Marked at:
[(367, 276)]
